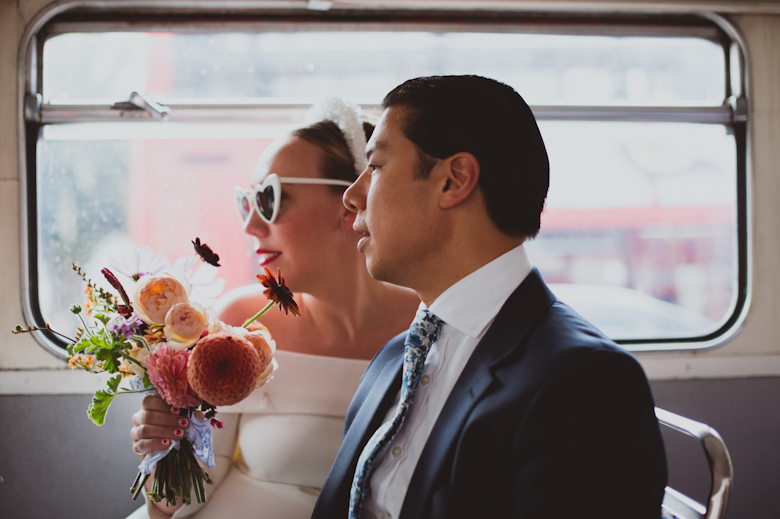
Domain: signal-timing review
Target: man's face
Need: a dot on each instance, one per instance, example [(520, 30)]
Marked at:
[(396, 212)]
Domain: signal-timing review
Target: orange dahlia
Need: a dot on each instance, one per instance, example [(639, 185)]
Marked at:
[(264, 351), (167, 370), (223, 368)]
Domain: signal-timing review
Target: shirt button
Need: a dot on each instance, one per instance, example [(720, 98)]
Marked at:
[(426, 379), (397, 451), (385, 516)]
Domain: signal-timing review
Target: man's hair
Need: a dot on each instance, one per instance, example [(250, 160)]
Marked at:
[(451, 114)]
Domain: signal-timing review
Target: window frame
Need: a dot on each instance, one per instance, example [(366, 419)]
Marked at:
[(101, 16)]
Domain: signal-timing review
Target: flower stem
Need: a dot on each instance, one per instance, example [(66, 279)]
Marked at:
[(131, 359), (86, 328), (144, 390), (258, 314), (29, 329)]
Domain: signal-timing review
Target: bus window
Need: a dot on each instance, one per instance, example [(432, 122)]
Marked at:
[(644, 227)]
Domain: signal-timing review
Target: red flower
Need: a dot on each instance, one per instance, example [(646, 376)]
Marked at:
[(278, 292), (223, 368), (127, 308), (167, 370), (205, 252)]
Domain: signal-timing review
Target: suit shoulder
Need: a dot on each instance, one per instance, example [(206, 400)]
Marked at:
[(564, 328), (562, 340)]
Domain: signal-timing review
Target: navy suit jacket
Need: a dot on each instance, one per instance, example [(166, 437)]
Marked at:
[(549, 419)]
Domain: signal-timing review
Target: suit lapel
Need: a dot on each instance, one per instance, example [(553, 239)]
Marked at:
[(518, 315), (375, 405), (377, 395)]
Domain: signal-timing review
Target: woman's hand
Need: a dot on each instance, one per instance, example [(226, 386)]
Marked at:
[(155, 425)]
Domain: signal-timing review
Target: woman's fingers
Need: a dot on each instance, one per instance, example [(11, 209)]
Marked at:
[(155, 425), (155, 403), (156, 432), (144, 417), (142, 447), (147, 438)]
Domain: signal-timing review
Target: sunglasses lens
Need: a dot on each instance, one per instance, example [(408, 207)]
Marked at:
[(265, 202), (243, 206)]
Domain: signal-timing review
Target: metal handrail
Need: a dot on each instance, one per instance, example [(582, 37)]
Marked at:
[(718, 458)]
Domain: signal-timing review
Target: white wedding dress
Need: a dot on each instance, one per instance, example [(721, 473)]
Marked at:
[(278, 445)]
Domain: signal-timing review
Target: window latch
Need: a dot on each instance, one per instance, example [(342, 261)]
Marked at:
[(32, 107), (138, 101), (739, 109)]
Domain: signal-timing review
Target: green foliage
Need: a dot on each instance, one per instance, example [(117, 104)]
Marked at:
[(101, 298), (102, 399), (105, 346)]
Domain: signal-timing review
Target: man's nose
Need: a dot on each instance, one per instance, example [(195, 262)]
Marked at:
[(354, 197)]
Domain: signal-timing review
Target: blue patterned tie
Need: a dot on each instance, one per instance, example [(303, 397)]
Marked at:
[(421, 335)]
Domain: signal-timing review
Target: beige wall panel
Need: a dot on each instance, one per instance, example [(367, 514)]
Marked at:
[(16, 351), (762, 34), (10, 33), (29, 8)]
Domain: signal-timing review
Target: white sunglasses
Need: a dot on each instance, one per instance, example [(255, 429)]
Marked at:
[(265, 198)]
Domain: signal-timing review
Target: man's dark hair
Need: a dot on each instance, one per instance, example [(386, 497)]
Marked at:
[(451, 114)]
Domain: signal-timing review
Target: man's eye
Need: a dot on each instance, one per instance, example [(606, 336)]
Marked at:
[(372, 167)]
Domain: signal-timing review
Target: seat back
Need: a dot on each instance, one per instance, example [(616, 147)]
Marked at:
[(679, 506)]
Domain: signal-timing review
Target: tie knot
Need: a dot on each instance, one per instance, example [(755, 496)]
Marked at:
[(425, 328), (425, 316)]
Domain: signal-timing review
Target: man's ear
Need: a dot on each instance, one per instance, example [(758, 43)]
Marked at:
[(460, 176)]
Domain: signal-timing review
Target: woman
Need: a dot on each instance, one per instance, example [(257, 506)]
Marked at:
[(283, 438)]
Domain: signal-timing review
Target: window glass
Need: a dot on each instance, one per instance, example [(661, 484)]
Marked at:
[(364, 66), (104, 189), (640, 224), (638, 234)]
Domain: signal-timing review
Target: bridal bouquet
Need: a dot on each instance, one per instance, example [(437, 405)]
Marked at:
[(155, 331)]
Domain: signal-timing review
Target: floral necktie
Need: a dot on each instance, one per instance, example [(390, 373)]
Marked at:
[(422, 334)]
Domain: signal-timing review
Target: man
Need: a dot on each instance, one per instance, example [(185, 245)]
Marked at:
[(521, 407)]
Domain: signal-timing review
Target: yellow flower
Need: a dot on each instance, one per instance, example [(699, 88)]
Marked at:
[(184, 324), (131, 368)]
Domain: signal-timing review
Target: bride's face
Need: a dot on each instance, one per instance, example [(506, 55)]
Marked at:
[(307, 237)]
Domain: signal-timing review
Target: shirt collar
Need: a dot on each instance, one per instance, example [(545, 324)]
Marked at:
[(471, 304)]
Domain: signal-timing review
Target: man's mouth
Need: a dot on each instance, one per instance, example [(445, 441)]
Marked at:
[(358, 228)]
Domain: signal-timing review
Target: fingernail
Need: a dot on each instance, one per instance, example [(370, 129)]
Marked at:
[(175, 410), (178, 432), (183, 422), (165, 442)]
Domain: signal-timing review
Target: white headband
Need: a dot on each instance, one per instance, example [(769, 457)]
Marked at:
[(347, 117)]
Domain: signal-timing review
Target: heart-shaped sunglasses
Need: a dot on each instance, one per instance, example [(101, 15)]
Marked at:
[(265, 198)]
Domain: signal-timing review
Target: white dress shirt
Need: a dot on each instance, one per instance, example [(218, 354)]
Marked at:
[(467, 308)]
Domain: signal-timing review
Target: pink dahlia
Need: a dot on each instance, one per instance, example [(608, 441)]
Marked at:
[(223, 368), (167, 370)]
